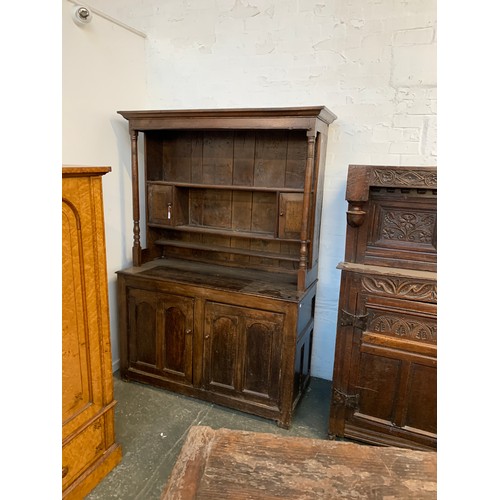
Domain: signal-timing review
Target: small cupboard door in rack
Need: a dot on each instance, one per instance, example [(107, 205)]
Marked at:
[(161, 333), (242, 352)]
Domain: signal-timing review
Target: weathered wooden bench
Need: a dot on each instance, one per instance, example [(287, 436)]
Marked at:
[(227, 464)]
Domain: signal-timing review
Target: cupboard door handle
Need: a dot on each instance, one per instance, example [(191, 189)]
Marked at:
[(282, 213), (169, 211), (207, 337), (189, 331), (65, 471)]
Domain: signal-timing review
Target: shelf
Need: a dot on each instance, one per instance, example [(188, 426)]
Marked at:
[(225, 232), (227, 187), (233, 250)]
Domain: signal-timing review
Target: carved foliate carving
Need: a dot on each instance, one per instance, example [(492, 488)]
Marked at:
[(403, 327), (402, 225), (401, 287), (403, 177)]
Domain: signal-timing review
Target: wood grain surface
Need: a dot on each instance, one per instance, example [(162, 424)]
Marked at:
[(227, 464)]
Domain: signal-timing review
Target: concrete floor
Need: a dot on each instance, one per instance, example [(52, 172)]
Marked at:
[(151, 425)]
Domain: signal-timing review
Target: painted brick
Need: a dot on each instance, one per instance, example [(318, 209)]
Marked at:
[(385, 159), (416, 107), (411, 134), (414, 36), (405, 148), (414, 65), (410, 121), (376, 95), (418, 160), (385, 133)]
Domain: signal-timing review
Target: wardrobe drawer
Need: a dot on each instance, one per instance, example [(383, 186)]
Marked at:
[(83, 449)]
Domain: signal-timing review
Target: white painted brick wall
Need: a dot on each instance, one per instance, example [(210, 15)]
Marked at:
[(372, 62)]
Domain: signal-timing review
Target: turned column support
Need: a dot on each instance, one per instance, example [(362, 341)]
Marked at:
[(304, 231), (136, 249)]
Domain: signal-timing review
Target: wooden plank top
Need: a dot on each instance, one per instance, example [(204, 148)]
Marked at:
[(83, 171), (227, 464), (306, 118), (245, 281)]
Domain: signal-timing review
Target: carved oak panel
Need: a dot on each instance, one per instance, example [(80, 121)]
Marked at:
[(403, 177), (402, 327), (401, 233), (406, 288)]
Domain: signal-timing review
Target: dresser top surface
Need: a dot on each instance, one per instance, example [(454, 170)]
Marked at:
[(247, 281)]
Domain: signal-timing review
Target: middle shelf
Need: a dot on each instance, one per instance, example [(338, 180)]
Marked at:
[(230, 250)]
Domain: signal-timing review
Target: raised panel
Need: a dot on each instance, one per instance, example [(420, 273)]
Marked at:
[(400, 231), (222, 350), (261, 357), (421, 406), (377, 385), (142, 324), (79, 453), (176, 337), (258, 359), (76, 382)]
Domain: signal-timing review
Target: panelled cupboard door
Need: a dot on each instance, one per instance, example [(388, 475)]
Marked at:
[(391, 391), (83, 315), (160, 336), (242, 352)]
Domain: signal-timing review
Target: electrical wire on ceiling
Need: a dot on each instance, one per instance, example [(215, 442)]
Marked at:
[(83, 15)]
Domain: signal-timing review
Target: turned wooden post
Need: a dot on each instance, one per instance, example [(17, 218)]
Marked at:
[(136, 249), (304, 230)]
